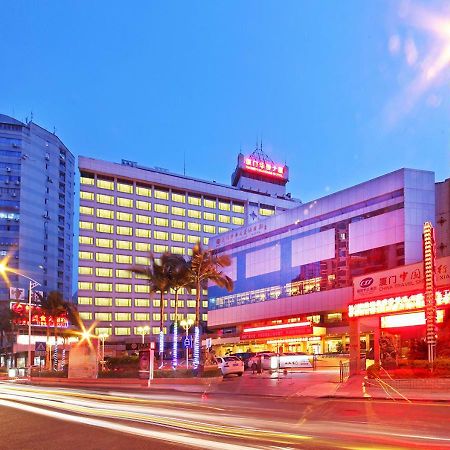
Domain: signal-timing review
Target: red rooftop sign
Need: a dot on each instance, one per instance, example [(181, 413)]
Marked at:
[(264, 168)]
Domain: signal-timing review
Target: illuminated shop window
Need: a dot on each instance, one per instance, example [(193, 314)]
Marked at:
[(238, 220), (143, 191), (314, 319), (85, 255), (104, 243), (85, 315), (142, 288), (103, 301), (124, 245), (126, 217), (143, 219), (161, 222), (156, 316), (105, 213), (194, 213), (143, 205), (84, 285), (209, 216), (122, 287), (86, 240), (86, 195), (103, 272), (193, 239), (334, 317), (85, 270), (86, 225), (223, 229), (177, 250), (209, 229), (87, 180), (103, 316), (124, 202), (124, 259), (126, 188), (266, 211), (105, 199), (104, 257), (142, 302), (142, 316), (224, 206), (194, 226), (161, 235), (122, 316), (142, 246), (103, 330), (209, 203), (87, 210), (177, 224), (164, 209), (179, 198), (178, 237), (123, 302), (127, 231), (105, 184), (161, 194), (103, 287), (205, 241), (105, 228), (122, 331), (237, 208), (193, 200), (224, 219), (177, 211)]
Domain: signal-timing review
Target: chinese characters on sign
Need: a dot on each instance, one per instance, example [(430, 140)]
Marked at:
[(249, 231), (38, 317), (264, 167), (430, 299)]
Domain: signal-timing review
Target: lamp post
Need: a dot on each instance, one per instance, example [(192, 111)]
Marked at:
[(143, 331), (31, 285), (103, 337), (186, 324)]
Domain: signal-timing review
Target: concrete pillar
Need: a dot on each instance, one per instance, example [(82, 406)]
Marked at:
[(355, 358), (376, 341)]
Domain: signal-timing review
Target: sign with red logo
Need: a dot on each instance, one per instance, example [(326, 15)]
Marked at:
[(38, 316), (277, 332), (270, 169)]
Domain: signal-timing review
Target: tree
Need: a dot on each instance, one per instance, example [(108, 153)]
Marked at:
[(205, 266)]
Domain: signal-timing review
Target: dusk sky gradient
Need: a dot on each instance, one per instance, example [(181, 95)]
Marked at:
[(341, 91)]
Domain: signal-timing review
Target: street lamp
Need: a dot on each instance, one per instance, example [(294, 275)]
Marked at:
[(186, 324), (143, 331), (103, 337), (31, 285)]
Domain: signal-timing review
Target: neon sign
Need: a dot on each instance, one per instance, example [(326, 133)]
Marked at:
[(264, 167), (38, 316), (430, 298)]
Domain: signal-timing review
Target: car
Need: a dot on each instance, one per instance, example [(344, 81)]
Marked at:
[(264, 356), (245, 357), (230, 365)]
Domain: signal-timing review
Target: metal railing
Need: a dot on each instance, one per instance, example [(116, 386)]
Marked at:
[(344, 371)]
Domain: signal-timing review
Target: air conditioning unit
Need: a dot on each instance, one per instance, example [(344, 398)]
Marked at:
[(8, 169)]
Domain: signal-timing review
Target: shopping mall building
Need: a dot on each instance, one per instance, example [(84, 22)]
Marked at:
[(294, 273)]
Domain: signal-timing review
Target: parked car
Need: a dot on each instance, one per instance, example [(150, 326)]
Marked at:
[(265, 356), (245, 357), (230, 364)]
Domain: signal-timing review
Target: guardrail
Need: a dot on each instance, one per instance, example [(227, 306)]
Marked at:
[(344, 371)]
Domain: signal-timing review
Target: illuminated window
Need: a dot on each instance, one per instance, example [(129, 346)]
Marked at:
[(177, 211), (84, 285), (192, 200), (123, 302), (177, 224), (128, 231), (142, 316), (86, 195), (194, 213), (105, 228), (179, 198), (155, 330), (193, 239), (209, 203), (224, 219), (127, 217), (140, 276), (126, 188), (204, 317), (163, 195), (124, 259), (142, 246), (87, 210), (124, 245), (190, 252), (266, 211), (144, 191), (143, 205), (86, 240), (103, 316), (142, 260), (85, 315), (122, 331), (121, 287), (103, 330), (223, 206), (105, 213), (161, 208), (191, 303), (142, 302), (161, 235), (177, 250), (223, 229), (143, 219), (87, 180), (142, 288), (205, 303), (86, 225), (156, 316), (103, 272), (160, 248), (209, 229), (334, 317), (194, 226), (85, 270), (141, 232), (105, 199), (125, 202), (209, 216), (161, 222), (156, 303), (105, 243), (238, 220), (122, 273), (103, 301), (237, 208), (205, 241), (205, 291), (178, 237), (105, 184), (85, 300), (103, 287), (104, 257), (85, 255)]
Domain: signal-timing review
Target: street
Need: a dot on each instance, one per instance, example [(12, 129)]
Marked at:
[(37, 417)]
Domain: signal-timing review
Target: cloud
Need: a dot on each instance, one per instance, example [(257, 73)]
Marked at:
[(411, 53), (394, 44)]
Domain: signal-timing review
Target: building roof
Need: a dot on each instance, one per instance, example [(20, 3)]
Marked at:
[(10, 120)]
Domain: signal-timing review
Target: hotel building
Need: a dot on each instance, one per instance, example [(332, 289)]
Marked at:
[(293, 273), (127, 211)]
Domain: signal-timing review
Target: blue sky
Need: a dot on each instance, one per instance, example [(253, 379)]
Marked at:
[(341, 91)]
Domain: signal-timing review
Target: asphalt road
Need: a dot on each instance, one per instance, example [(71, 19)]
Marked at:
[(56, 418)]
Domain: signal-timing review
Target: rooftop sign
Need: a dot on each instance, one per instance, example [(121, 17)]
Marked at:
[(272, 170)]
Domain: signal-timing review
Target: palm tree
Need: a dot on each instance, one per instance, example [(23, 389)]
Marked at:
[(158, 275), (205, 266)]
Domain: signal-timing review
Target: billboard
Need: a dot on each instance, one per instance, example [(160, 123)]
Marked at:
[(38, 316)]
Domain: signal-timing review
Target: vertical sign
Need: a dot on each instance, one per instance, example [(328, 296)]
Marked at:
[(429, 256)]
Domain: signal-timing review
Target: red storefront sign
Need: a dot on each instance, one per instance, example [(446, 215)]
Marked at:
[(38, 317), (276, 331)]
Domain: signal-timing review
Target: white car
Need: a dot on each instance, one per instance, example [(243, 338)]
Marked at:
[(230, 364)]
